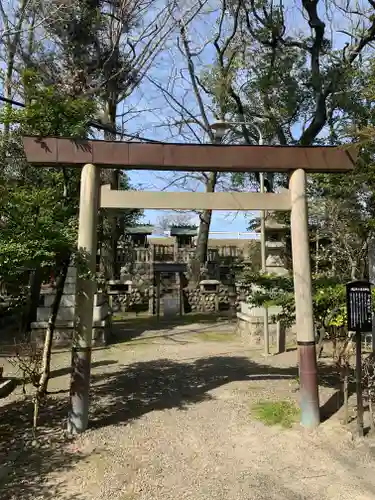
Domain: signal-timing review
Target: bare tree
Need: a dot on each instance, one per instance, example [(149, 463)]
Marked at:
[(166, 221), (102, 49), (347, 228), (192, 109), (13, 21)]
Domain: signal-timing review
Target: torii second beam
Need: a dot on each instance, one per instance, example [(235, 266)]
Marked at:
[(117, 200)]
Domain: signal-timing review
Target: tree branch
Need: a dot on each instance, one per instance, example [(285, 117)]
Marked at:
[(194, 84)]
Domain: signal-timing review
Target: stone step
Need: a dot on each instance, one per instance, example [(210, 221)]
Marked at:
[(42, 325)]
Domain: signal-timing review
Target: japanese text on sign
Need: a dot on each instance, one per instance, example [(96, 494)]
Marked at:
[(359, 306)]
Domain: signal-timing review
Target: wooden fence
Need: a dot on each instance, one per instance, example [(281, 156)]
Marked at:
[(170, 253)]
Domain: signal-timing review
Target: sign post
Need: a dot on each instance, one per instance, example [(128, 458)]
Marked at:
[(371, 272), (359, 308)]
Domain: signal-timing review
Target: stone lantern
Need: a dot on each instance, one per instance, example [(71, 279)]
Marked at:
[(275, 246)]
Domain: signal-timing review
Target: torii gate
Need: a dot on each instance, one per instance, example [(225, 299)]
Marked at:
[(93, 155)]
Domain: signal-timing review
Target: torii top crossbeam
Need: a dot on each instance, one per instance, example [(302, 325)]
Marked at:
[(51, 151)]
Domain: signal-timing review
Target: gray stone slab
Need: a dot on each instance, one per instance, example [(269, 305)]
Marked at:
[(63, 335), (67, 313), (70, 280), (69, 288), (171, 306), (72, 272), (64, 314), (258, 311), (67, 300), (100, 299), (101, 312), (42, 325)]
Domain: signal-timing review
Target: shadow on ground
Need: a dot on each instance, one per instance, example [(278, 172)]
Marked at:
[(128, 328), (161, 384), (117, 398), (24, 462), (95, 364)]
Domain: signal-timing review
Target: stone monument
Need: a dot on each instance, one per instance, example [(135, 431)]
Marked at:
[(251, 319), (65, 316)]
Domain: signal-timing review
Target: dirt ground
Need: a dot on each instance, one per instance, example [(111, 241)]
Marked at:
[(171, 417)]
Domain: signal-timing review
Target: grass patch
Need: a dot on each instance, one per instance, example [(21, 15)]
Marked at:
[(143, 318), (140, 341), (291, 345), (284, 413), (125, 316), (216, 336)]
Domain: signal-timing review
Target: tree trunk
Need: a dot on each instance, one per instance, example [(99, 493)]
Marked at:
[(108, 252), (33, 300), (46, 358), (109, 244), (335, 353), (346, 395), (371, 409), (204, 225), (344, 360), (320, 347), (10, 40)]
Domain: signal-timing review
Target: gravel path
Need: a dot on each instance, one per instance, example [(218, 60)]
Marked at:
[(172, 419)]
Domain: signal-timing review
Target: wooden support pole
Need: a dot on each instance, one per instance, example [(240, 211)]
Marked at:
[(309, 402), (157, 279), (280, 338), (358, 372), (266, 332), (85, 290), (181, 293)]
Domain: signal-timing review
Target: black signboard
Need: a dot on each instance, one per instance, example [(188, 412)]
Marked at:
[(359, 306)]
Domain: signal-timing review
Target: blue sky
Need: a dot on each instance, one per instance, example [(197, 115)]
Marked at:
[(156, 114), (149, 114), (154, 123), (221, 221)]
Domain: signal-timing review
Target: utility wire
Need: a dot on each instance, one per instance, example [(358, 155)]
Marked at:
[(92, 123), (11, 101)]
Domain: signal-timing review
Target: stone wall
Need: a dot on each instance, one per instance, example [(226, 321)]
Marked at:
[(250, 326), (195, 301), (227, 298), (251, 329), (137, 300)]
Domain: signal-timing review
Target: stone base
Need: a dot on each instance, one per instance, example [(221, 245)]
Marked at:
[(63, 334), (66, 314), (251, 329)]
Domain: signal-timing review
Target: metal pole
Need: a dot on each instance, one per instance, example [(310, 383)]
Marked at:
[(82, 334), (309, 395), (264, 266)]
